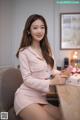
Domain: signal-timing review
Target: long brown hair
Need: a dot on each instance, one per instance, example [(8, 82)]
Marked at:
[(27, 39)]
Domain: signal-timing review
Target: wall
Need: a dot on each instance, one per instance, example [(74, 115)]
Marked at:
[(13, 15), (61, 54), (24, 8), (6, 32)]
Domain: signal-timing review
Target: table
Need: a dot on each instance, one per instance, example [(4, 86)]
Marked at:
[(69, 101)]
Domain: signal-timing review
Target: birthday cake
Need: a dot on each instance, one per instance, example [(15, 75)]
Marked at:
[(74, 80)]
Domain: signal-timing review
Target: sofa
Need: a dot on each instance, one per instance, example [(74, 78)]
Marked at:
[(10, 80)]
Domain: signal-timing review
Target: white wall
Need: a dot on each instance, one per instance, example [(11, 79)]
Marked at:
[(6, 31), (24, 8), (13, 15)]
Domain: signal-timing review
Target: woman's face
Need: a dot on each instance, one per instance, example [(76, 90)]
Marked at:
[(37, 30)]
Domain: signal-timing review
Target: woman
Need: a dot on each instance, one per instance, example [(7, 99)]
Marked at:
[(37, 69)]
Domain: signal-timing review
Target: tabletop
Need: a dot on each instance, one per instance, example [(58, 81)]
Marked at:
[(69, 96)]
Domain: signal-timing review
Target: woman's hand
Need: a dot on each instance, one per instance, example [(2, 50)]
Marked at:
[(61, 78)]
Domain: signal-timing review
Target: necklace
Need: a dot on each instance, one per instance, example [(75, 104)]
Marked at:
[(38, 51)]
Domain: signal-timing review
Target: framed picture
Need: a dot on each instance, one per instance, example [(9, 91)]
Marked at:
[(69, 31)]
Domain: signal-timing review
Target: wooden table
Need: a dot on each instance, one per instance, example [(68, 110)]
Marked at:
[(70, 101)]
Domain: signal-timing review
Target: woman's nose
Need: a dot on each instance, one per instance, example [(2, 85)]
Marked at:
[(39, 30)]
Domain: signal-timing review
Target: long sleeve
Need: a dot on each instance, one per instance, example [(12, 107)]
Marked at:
[(28, 79)]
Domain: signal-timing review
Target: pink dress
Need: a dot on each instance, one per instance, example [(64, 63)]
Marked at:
[(35, 73)]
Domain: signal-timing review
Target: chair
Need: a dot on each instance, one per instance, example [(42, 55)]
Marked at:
[(10, 80)]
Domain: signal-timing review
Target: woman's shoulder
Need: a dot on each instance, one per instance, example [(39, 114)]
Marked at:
[(24, 50)]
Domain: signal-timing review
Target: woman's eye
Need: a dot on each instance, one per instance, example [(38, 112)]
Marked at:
[(43, 27), (35, 28)]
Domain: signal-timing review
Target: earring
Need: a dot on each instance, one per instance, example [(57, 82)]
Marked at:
[(28, 32)]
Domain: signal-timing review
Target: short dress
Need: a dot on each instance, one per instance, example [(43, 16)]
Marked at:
[(35, 73)]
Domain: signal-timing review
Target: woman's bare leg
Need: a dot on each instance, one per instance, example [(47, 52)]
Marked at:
[(35, 112), (54, 111)]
